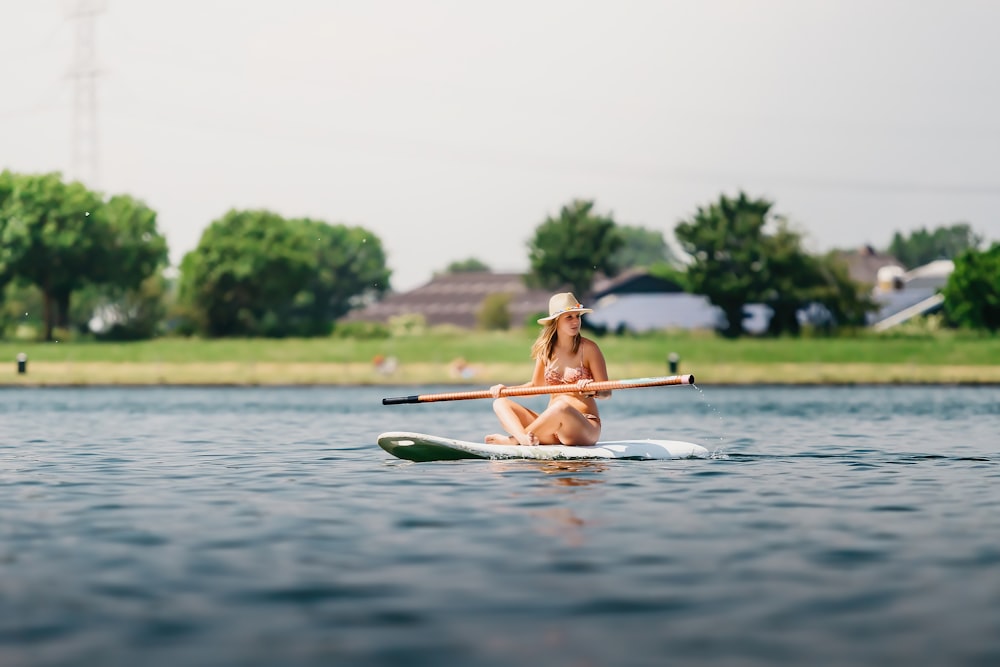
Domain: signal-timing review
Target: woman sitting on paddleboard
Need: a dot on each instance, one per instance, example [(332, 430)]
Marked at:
[(562, 356)]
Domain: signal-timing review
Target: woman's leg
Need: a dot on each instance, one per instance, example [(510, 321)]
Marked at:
[(514, 417), (561, 423)]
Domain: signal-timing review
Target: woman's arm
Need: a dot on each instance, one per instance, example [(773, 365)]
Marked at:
[(537, 379), (594, 360)]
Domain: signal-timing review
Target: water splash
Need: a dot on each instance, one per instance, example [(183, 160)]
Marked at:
[(719, 451)]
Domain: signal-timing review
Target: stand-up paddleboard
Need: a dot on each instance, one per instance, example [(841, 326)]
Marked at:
[(421, 447)]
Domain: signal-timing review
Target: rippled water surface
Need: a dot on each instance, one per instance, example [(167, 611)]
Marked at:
[(167, 526)]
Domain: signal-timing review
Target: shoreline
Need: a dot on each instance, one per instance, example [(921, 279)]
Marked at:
[(356, 374)]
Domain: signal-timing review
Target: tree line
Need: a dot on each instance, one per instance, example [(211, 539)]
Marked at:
[(95, 263), (99, 262), (741, 254)]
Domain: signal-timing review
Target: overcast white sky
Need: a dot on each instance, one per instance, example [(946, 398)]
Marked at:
[(452, 128)]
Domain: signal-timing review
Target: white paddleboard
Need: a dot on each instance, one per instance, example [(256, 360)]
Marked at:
[(422, 447)]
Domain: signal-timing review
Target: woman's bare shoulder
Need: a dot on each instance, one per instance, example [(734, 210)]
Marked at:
[(589, 347)]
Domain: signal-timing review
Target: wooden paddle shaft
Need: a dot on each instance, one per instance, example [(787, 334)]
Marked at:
[(607, 385)]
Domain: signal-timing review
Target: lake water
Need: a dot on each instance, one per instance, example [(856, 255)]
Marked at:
[(263, 526)]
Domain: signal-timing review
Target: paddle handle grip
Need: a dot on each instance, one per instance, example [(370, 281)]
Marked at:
[(607, 385), (399, 400)]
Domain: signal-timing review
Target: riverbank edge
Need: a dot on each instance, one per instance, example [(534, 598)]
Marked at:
[(239, 374)]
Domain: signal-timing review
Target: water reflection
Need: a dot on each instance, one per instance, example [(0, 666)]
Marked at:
[(563, 473), (559, 519), (567, 473)]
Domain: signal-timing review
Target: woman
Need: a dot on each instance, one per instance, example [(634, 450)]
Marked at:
[(562, 356)]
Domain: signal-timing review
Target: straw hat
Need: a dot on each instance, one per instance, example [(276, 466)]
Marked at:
[(563, 303)]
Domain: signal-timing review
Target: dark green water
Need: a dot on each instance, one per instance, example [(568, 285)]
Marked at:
[(834, 526)]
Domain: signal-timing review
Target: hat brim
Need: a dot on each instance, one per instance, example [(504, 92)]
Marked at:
[(582, 311)]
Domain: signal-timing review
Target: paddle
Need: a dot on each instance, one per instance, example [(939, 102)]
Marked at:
[(607, 385)]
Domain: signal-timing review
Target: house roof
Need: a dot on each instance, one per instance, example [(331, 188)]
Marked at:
[(863, 264), (634, 281), (455, 298), (934, 274)]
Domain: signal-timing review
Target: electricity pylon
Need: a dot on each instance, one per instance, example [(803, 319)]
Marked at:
[(85, 165)]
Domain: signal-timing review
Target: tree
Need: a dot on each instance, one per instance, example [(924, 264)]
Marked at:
[(972, 293), (796, 280), (923, 246), (642, 247), (742, 257), (571, 249), (53, 235), (129, 290), (790, 276), (349, 269), (6, 191), (247, 266), (470, 265), (135, 249), (844, 300), (726, 242), (22, 307), (117, 313), (256, 274)]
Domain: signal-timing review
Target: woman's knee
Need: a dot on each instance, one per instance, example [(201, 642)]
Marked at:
[(560, 408)]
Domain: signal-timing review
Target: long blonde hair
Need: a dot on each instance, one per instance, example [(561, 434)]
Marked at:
[(545, 344)]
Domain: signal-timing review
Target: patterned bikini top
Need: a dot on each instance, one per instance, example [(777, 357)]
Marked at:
[(567, 376)]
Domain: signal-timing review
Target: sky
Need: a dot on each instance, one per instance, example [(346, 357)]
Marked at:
[(451, 129)]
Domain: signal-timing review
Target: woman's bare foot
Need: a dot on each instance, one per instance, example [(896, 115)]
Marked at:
[(528, 439)]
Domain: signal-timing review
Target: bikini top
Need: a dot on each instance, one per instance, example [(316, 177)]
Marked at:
[(567, 375)]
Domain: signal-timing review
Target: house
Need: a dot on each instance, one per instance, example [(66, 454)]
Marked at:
[(455, 299), (638, 301), (864, 264), (903, 295)]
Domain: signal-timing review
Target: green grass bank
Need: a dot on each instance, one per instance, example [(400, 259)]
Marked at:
[(433, 358)]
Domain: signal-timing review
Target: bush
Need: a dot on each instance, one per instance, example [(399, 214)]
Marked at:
[(972, 293), (360, 330), (411, 324), (494, 312)]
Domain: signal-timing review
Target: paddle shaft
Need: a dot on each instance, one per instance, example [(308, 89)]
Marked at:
[(607, 385)]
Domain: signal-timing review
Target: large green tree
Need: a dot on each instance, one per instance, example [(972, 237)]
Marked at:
[(246, 270), (972, 293), (743, 256), (255, 273), (726, 243), (922, 245), (134, 249), (64, 238), (348, 269), (53, 234), (572, 248)]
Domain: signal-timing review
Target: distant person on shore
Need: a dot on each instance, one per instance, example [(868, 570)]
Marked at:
[(562, 356), (383, 365), (459, 369)]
